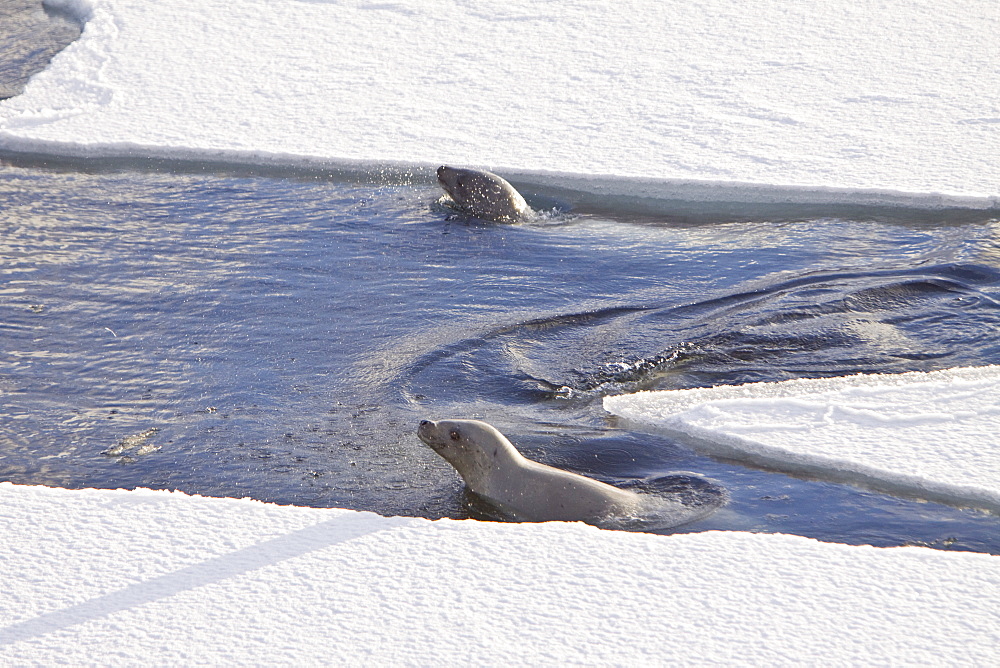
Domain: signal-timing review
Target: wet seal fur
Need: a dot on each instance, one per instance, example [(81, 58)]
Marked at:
[(483, 195), (523, 489)]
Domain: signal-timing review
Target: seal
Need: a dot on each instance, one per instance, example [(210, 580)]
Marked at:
[(523, 489), (483, 195)]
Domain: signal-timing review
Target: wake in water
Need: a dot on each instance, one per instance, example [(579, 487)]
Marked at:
[(815, 325)]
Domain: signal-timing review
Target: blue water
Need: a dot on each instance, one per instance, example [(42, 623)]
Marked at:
[(240, 331), (280, 337)]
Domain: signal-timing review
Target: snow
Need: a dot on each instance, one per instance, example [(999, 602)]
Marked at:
[(933, 435), (142, 577), (896, 103)]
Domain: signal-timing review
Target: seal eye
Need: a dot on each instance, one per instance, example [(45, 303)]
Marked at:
[(455, 435)]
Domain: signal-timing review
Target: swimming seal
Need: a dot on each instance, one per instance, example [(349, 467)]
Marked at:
[(525, 490), (483, 194)]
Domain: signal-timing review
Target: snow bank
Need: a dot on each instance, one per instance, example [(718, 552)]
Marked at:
[(935, 435), (138, 578), (894, 103)]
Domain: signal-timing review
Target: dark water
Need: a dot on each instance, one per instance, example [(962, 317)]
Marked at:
[(279, 336)]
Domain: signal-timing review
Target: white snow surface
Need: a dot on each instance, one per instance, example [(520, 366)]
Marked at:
[(935, 435), (114, 577), (818, 102)]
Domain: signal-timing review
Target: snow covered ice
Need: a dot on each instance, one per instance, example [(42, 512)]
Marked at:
[(927, 434), (896, 103), (117, 577)]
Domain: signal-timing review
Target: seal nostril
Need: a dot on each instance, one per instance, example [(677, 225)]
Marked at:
[(424, 423)]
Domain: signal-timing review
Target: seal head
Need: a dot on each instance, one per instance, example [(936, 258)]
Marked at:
[(483, 194)]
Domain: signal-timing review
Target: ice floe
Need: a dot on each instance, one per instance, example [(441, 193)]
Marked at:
[(934, 435), (892, 104)]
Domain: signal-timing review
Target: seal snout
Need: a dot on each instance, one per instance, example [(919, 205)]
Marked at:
[(427, 432), (446, 177)]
